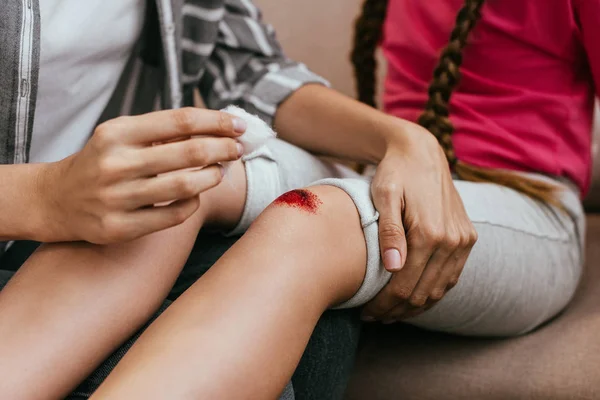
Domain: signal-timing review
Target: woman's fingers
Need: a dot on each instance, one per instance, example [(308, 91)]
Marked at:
[(440, 275), (442, 282), (400, 287), (191, 153), (385, 301), (430, 255), (173, 186), (449, 277), (442, 260), (424, 289), (423, 292), (179, 190), (418, 184), (164, 126), (405, 313), (387, 198), (124, 226), (153, 219), (465, 239)]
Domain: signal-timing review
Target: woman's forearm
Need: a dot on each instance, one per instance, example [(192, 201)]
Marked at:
[(20, 206), (326, 122)]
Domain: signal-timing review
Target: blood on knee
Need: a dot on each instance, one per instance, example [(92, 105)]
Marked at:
[(301, 199)]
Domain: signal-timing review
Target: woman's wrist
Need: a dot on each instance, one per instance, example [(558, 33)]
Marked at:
[(51, 224), (22, 207)]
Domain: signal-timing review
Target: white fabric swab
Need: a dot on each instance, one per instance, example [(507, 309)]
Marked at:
[(257, 132)]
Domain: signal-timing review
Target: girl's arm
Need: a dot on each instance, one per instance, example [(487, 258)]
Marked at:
[(326, 122)]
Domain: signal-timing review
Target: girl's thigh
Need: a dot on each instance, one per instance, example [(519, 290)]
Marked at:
[(523, 270)]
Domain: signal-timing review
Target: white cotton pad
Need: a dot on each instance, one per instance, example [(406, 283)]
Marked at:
[(257, 133)]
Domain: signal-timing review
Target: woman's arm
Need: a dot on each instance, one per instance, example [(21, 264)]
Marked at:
[(20, 202)]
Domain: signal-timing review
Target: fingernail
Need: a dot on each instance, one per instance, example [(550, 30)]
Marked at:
[(367, 318), (240, 149), (389, 321), (392, 260), (239, 125), (222, 168)]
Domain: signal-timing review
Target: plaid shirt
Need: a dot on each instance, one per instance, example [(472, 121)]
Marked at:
[(220, 47)]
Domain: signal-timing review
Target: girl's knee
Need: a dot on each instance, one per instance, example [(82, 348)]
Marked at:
[(325, 213), (320, 226), (329, 203)]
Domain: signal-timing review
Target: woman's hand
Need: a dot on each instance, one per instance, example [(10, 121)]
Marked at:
[(107, 192), (425, 233)]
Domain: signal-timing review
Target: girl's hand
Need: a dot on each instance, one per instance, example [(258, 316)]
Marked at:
[(425, 233), (107, 192)]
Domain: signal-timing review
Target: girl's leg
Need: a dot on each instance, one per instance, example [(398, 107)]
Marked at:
[(70, 305), (239, 332)]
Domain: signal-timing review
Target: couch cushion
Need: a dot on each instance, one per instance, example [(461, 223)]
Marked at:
[(559, 361)]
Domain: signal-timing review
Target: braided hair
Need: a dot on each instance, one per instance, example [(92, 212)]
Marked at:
[(446, 77)]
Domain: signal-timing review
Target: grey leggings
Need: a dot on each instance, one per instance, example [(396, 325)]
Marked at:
[(523, 270)]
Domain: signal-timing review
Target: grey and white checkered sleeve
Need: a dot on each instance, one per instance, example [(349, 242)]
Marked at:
[(248, 67)]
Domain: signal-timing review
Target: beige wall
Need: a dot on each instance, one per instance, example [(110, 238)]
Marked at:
[(317, 33)]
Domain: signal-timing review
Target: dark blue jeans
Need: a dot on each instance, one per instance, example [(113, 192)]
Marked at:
[(325, 366)]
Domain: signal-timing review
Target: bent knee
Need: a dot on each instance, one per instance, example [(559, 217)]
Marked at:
[(321, 227), (319, 211), (325, 201)]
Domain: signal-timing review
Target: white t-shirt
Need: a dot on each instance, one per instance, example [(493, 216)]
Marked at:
[(85, 45)]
